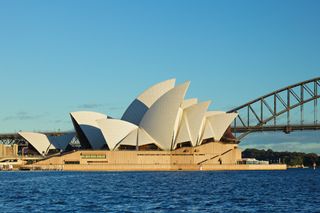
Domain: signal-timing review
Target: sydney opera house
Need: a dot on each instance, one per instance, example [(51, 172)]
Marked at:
[(160, 130)]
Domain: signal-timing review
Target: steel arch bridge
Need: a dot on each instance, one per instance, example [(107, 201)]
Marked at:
[(263, 113)]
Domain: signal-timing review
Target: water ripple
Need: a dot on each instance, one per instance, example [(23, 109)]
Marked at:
[(239, 191)]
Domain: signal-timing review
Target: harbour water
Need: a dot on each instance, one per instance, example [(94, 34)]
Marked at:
[(294, 190)]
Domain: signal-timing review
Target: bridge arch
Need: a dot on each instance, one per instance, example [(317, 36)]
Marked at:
[(257, 114)]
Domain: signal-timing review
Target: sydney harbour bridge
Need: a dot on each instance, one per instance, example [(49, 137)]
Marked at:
[(292, 108)]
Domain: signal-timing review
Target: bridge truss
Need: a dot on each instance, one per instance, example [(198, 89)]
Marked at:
[(263, 113)]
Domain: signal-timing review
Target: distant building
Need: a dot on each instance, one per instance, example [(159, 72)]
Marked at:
[(253, 161)]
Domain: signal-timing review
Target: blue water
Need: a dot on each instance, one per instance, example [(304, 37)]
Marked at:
[(295, 190)]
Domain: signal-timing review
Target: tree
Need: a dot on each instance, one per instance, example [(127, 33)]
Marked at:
[(289, 158)]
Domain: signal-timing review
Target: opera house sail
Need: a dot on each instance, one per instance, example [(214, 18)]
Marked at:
[(43, 144)]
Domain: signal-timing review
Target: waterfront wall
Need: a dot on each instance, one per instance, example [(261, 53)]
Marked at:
[(212, 153), (157, 167), (211, 156)]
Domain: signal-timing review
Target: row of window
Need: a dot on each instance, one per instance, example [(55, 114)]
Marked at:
[(91, 156), (78, 162)]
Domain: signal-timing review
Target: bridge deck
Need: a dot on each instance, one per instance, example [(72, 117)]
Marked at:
[(284, 128)]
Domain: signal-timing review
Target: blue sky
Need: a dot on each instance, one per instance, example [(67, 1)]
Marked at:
[(63, 56)]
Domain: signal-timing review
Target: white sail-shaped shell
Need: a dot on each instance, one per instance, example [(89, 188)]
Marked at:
[(195, 115), (135, 112), (38, 140), (160, 119), (184, 134), (189, 102), (220, 123), (115, 130), (88, 130), (206, 129), (177, 123), (191, 123), (131, 139), (207, 132), (144, 138)]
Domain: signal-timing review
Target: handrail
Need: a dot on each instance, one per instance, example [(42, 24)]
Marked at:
[(201, 162)]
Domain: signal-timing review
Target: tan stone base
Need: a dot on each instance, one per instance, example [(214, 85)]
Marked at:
[(207, 157)]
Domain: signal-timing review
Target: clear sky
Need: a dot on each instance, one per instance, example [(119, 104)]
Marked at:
[(63, 56)]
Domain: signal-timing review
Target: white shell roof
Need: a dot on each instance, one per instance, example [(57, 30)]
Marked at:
[(207, 131), (130, 139), (183, 134), (160, 119), (87, 117), (115, 130), (88, 124), (220, 123), (144, 138), (195, 115), (38, 140), (43, 143), (136, 110), (189, 102)]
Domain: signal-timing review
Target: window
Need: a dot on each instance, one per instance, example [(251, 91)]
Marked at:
[(72, 162)]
